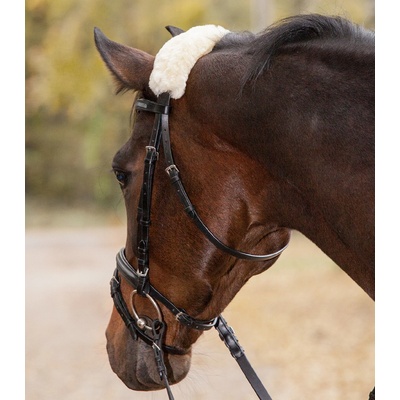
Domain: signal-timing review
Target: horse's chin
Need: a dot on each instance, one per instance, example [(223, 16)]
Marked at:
[(134, 363)]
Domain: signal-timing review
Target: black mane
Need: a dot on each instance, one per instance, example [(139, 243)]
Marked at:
[(298, 29)]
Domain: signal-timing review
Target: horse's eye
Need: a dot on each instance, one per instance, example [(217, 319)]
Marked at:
[(122, 177)]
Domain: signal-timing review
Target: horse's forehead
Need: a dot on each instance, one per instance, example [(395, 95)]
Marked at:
[(177, 57)]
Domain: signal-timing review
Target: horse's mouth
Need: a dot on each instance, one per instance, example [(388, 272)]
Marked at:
[(134, 363)]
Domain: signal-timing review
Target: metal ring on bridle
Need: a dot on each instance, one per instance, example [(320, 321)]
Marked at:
[(141, 322)]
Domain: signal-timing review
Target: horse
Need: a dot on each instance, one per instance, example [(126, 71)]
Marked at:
[(264, 133)]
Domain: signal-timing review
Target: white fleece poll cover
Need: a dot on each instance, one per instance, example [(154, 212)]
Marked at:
[(177, 57)]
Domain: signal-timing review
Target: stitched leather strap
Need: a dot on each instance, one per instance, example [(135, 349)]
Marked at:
[(130, 322), (225, 332), (151, 106), (173, 174), (190, 210), (161, 110), (133, 277), (227, 335), (158, 334)]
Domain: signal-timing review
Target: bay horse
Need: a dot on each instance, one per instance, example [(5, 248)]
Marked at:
[(264, 133)]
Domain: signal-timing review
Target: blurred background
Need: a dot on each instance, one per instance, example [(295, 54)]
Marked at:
[(74, 123), (316, 338)]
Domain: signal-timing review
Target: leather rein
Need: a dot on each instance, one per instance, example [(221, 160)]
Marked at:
[(152, 331)]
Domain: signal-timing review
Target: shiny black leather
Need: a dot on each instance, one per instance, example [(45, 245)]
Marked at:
[(133, 277)]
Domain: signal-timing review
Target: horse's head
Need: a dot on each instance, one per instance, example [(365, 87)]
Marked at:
[(234, 195)]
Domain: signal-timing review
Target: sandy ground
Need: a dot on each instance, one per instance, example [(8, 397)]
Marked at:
[(306, 327)]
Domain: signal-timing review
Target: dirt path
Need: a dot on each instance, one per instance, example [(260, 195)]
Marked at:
[(307, 328)]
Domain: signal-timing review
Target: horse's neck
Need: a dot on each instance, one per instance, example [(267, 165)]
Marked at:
[(327, 190), (332, 203), (336, 238), (310, 125)]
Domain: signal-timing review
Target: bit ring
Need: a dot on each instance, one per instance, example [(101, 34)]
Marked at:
[(141, 322)]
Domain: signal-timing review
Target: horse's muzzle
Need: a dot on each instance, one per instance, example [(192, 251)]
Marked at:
[(134, 362)]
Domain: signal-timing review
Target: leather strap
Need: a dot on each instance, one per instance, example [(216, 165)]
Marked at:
[(161, 110), (133, 277), (158, 334), (227, 335), (173, 174), (225, 331), (130, 322), (151, 106)]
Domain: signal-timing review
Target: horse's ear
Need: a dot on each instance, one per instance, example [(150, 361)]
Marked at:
[(173, 30), (130, 67)]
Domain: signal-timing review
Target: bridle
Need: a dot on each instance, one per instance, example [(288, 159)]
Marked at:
[(152, 331)]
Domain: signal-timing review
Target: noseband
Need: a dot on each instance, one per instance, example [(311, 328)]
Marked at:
[(152, 331)]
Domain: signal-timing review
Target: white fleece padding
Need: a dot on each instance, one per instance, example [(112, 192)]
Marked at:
[(177, 57)]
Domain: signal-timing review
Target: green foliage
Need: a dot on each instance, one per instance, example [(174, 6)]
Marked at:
[(74, 124)]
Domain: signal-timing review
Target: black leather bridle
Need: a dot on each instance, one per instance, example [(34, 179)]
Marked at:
[(152, 331)]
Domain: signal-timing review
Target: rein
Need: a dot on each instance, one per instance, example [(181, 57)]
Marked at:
[(152, 331)]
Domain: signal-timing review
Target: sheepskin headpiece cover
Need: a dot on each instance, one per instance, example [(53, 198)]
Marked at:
[(177, 57)]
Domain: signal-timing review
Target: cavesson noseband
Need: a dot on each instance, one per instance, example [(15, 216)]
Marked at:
[(152, 331)]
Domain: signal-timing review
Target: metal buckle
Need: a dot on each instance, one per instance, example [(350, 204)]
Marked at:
[(178, 316), (170, 168), (152, 150)]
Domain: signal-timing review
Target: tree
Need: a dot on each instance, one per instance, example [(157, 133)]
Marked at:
[(74, 125)]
